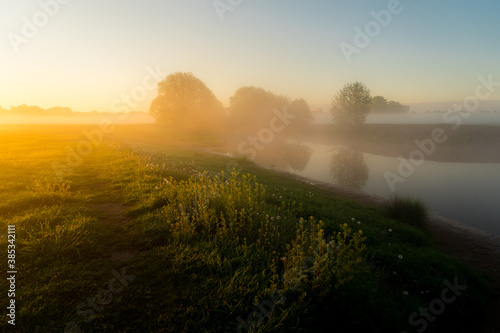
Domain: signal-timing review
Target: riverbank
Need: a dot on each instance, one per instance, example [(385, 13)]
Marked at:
[(474, 247)]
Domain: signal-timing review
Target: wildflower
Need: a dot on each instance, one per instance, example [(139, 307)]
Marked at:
[(359, 222), (278, 217), (353, 219), (400, 257), (390, 230), (405, 293)]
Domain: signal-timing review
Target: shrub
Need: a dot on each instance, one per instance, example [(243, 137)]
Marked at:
[(409, 210)]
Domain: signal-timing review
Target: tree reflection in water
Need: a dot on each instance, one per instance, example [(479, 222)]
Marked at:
[(297, 155), (348, 168)]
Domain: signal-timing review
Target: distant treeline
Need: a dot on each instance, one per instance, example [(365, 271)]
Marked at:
[(58, 111), (382, 105)]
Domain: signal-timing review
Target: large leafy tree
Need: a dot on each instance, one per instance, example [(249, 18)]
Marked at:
[(300, 110), (352, 104), (184, 100), (253, 105)]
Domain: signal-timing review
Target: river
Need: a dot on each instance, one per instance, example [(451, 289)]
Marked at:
[(466, 192)]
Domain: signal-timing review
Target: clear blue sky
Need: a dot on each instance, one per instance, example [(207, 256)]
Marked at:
[(92, 52)]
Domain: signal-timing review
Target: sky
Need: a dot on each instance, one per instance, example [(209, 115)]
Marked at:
[(108, 55)]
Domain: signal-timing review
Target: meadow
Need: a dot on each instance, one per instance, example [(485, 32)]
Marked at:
[(141, 231)]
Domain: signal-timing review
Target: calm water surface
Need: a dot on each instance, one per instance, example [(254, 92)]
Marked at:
[(465, 192)]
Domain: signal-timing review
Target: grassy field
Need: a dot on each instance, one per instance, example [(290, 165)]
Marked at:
[(152, 236)]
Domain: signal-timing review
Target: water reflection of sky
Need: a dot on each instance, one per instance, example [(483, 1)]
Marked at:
[(466, 192)]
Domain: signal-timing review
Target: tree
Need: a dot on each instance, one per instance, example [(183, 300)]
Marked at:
[(24, 109), (185, 101), (303, 117), (382, 105), (379, 104), (59, 111), (252, 107), (351, 104)]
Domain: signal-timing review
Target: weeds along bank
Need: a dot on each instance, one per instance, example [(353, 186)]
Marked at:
[(220, 252)]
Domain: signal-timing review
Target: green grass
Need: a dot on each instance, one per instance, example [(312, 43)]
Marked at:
[(204, 249)]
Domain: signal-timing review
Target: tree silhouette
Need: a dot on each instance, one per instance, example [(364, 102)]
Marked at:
[(382, 105), (185, 101), (252, 107), (303, 117), (352, 104)]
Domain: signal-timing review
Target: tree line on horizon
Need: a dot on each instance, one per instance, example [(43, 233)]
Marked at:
[(184, 101), (57, 111)]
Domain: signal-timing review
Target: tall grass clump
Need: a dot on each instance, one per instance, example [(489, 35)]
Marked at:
[(409, 210), (222, 229), (219, 206)]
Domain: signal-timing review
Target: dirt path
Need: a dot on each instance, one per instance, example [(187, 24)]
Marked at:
[(113, 215)]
